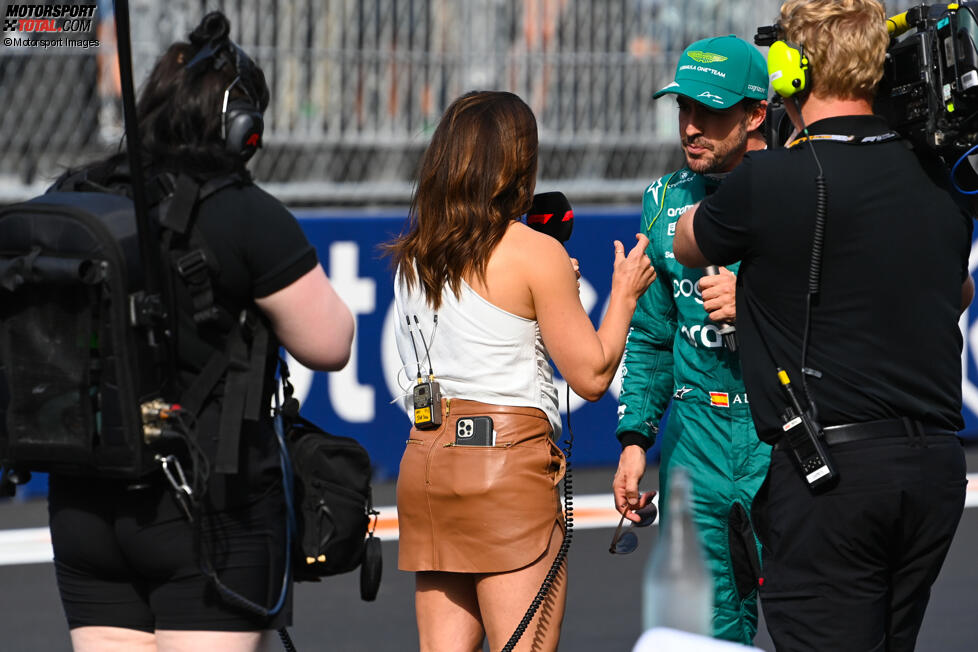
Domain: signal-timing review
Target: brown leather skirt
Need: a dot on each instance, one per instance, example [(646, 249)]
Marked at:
[(479, 509)]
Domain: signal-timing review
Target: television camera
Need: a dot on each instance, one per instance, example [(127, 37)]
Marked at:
[(929, 90)]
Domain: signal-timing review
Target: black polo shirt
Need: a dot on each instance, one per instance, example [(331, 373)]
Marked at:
[(884, 331)]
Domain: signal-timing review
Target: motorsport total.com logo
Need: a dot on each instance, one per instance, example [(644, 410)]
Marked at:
[(49, 18)]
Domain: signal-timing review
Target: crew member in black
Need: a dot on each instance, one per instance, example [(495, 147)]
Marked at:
[(126, 557), (849, 566)]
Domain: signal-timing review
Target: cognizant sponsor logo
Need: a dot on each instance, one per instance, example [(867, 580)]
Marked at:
[(676, 212), (686, 288), (706, 335)]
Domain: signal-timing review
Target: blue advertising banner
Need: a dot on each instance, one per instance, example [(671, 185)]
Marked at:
[(360, 401)]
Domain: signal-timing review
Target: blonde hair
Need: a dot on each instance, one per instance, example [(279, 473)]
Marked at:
[(845, 42)]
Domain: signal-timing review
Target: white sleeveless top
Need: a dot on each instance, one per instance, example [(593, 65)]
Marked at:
[(478, 351)]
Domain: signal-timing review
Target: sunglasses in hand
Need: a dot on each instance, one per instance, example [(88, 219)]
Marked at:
[(625, 541)]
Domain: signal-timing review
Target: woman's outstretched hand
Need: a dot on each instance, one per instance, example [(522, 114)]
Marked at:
[(633, 273)]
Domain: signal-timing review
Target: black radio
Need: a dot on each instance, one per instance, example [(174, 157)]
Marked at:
[(804, 438)]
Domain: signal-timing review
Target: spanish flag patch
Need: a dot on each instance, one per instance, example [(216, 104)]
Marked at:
[(720, 399)]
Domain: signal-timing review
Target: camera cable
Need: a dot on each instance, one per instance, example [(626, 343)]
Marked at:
[(954, 169), (232, 596)]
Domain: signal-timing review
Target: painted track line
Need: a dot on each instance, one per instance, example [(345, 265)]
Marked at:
[(33, 545)]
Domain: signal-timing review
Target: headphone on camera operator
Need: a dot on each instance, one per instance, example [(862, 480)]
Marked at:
[(242, 121), (788, 73)]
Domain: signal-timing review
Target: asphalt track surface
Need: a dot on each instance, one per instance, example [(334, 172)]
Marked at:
[(602, 610)]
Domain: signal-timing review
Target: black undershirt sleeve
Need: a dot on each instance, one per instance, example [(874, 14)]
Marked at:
[(638, 439)]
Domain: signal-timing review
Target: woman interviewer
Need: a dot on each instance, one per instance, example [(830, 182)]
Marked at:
[(482, 301), (128, 561)]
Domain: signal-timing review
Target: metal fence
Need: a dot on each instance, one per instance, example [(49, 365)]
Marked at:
[(358, 86)]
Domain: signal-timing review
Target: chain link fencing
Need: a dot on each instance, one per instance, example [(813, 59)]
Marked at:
[(357, 87)]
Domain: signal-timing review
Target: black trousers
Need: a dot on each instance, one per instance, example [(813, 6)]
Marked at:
[(850, 569)]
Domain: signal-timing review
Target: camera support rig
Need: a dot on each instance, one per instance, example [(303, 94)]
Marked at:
[(929, 90)]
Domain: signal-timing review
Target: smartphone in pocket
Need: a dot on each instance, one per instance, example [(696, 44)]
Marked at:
[(474, 431)]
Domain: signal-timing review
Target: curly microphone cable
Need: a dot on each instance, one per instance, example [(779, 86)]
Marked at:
[(548, 581)]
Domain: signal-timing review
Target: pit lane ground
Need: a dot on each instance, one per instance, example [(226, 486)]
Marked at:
[(604, 600)]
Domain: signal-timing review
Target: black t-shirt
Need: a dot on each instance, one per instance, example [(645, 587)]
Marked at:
[(259, 244), (884, 329), (259, 249)]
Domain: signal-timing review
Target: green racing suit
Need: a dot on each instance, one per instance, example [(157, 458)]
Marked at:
[(676, 352)]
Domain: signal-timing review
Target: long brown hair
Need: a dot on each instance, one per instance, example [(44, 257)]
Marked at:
[(477, 176)]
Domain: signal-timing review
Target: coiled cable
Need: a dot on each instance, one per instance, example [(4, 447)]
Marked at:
[(548, 581), (818, 236), (814, 264), (287, 643)]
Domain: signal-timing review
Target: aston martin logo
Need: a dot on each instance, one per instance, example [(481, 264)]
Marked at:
[(705, 57)]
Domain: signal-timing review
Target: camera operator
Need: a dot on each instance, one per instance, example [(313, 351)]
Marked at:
[(129, 562), (863, 320)]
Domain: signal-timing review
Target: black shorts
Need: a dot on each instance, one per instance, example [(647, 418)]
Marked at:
[(128, 558)]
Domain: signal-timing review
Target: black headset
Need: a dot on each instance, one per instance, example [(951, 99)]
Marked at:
[(241, 119)]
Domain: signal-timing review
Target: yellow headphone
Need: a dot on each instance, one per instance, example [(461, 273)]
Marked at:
[(787, 68)]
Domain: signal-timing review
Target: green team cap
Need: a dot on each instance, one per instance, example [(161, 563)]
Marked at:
[(719, 72)]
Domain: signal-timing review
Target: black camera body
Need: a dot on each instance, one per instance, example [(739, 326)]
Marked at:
[(929, 90)]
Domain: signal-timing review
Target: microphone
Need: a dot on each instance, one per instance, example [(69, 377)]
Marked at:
[(552, 214), (728, 331)]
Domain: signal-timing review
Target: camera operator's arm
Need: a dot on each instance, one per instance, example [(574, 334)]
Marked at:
[(311, 321), (684, 245), (288, 284), (717, 230)]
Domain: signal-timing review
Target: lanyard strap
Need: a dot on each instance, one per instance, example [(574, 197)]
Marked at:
[(851, 140)]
